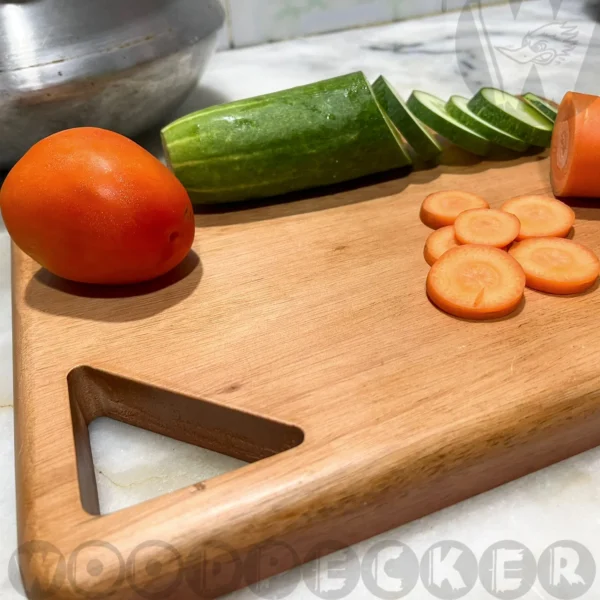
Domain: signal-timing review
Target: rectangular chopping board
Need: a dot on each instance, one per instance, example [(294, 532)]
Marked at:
[(297, 337)]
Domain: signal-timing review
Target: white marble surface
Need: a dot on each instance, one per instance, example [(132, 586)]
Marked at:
[(561, 502), (258, 21)]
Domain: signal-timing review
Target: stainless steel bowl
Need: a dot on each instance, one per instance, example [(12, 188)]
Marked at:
[(117, 64)]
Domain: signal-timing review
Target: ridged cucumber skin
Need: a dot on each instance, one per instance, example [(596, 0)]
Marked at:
[(549, 111), (488, 111), (455, 132), (454, 108), (407, 124), (318, 134)]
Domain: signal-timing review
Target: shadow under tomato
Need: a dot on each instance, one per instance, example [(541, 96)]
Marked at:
[(114, 303)]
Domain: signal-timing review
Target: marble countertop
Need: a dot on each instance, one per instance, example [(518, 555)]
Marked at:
[(455, 53)]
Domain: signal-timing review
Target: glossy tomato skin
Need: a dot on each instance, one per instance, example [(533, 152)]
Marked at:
[(92, 206)]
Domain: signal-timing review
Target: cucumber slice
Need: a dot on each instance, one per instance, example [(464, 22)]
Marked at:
[(425, 145), (547, 109), (318, 134), (406, 158), (514, 116), (457, 108), (431, 110)]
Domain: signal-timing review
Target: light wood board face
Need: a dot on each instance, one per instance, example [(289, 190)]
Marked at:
[(299, 334)]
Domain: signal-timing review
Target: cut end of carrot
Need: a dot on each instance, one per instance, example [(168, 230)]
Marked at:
[(487, 227), (441, 208), (557, 265), (576, 147), (541, 216), (476, 282), (438, 243)]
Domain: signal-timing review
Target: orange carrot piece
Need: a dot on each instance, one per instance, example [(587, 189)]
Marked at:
[(476, 282), (438, 243), (487, 227), (556, 265), (441, 208), (575, 153), (541, 216)]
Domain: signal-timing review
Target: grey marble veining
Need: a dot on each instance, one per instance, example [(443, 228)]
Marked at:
[(449, 54)]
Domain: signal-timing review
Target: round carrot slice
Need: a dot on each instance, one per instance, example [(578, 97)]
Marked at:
[(438, 243), (441, 208), (487, 227), (541, 216), (557, 265), (476, 282)]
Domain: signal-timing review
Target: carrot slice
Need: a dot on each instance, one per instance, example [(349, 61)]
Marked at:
[(487, 227), (438, 243), (557, 265), (575, 154), (441, 208), (541, 216), (476, 282)]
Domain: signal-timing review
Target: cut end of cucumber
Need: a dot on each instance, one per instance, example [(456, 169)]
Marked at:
[(404, 156), (413, 131), (542, 105), (406, 159)]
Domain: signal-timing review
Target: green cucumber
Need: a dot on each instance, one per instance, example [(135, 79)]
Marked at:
[(318, 134), (425, 145), (432, 111), (457, 108), (514, 116), (545, 107)]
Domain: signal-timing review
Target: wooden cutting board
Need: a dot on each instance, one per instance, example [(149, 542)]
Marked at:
[(297, 337)]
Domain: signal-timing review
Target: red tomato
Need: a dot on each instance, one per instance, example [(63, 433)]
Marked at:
[(92, 206)]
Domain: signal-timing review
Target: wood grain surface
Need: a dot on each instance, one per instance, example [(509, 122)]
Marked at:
[(297, 336)]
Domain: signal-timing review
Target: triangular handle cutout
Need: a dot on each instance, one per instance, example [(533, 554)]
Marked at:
[(94, 394), (155, 464)]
